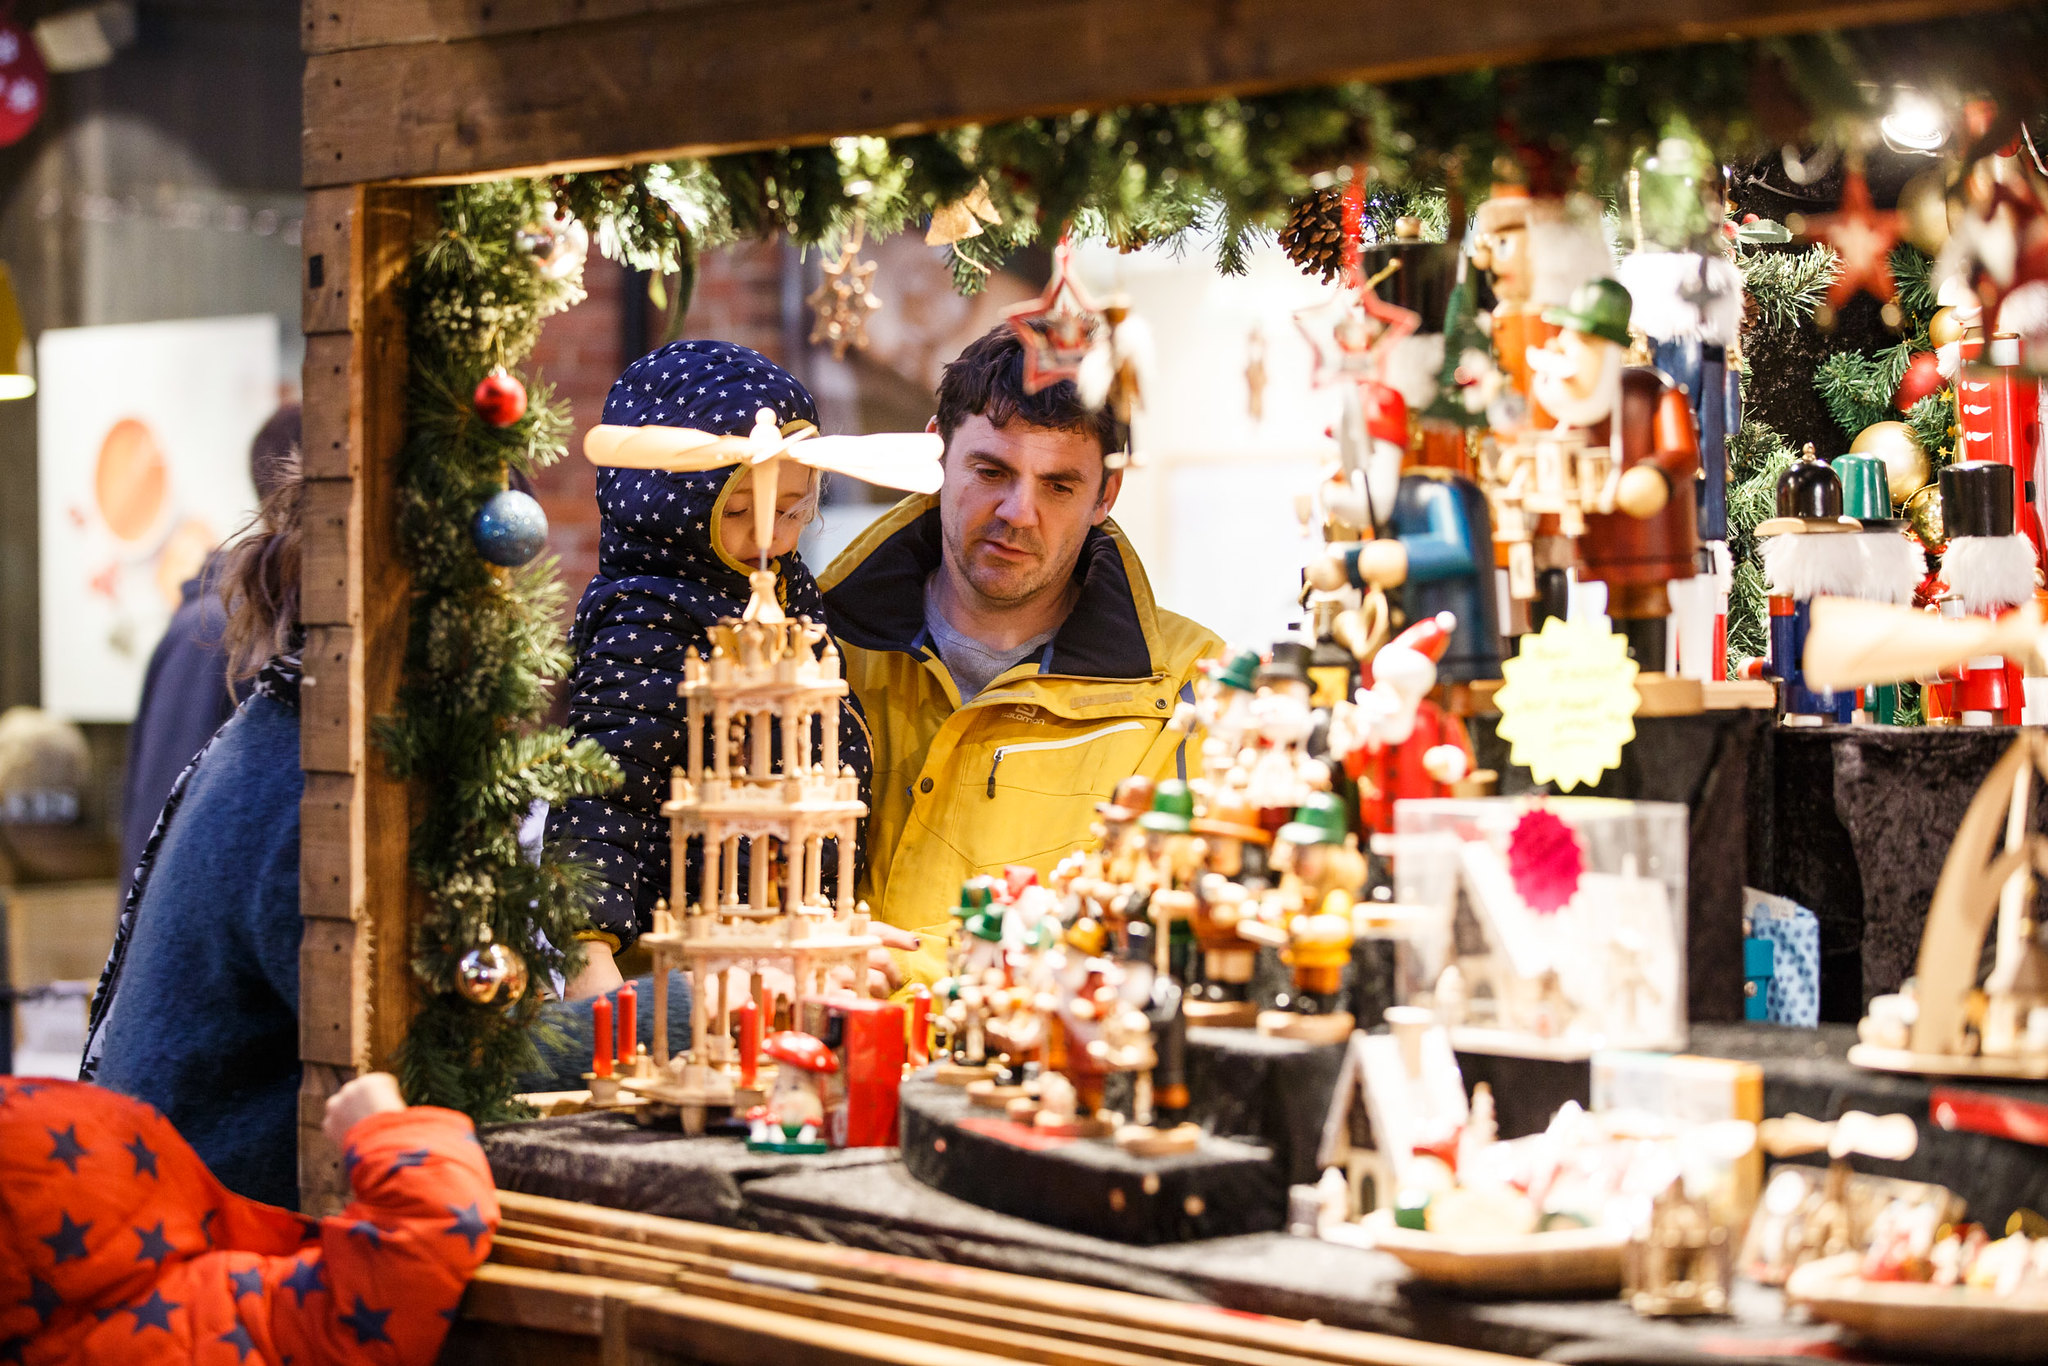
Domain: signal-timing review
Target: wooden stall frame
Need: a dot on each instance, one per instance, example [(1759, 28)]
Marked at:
[(405, 93)]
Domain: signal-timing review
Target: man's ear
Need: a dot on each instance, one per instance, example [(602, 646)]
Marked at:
[(931, 424), (1112, 485)]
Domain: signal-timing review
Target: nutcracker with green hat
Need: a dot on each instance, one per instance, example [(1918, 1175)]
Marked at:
[(1317, 857), (976, 962), (1811, 549), (1892, 562)]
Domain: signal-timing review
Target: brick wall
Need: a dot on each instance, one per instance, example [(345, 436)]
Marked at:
[(738, 298)]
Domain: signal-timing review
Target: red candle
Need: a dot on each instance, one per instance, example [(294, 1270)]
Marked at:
[(750, 1042), (629, 1033), (601, 1049), (920, 1025)]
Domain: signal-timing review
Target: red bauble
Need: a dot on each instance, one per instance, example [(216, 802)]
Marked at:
[(500, 399), (1922, 377), (24, 84)]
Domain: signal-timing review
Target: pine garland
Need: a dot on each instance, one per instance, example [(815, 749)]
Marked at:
[(1782, 288), (1757, 456), (485, 644), (1858, 386), (1225, 171)]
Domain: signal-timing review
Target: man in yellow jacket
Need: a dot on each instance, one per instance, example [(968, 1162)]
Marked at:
[(1002, 639)]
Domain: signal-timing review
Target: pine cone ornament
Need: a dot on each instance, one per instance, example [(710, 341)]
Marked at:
[(1314, 236)]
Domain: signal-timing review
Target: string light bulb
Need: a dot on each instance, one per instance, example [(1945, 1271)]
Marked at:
[(1915, 124)]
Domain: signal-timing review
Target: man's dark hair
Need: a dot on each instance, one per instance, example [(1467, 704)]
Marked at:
[(987, 380)]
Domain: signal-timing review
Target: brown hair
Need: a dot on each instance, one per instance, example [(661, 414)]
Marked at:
[(259, 574), (987, 380)]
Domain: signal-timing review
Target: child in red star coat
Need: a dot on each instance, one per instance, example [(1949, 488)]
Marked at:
[(120, 1246)]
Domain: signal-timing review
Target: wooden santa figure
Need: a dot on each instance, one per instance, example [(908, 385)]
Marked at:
[(1810, 550), (1394, 741), (1989, 566)]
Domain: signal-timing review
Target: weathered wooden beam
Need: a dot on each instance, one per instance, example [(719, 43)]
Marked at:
[(425, 90), (355, 980)]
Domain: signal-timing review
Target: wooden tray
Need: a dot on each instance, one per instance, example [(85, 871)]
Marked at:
[(1576, 1261), (1946, 1064), (1923, 1320)]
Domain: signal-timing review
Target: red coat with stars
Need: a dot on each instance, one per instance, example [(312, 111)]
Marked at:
[(120, 1246)]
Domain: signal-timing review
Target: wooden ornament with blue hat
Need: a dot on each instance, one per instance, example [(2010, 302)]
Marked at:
[(1810, 550), (1989, 569), (1892, 562)]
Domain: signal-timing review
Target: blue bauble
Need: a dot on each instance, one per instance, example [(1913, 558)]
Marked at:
[(509, 529)]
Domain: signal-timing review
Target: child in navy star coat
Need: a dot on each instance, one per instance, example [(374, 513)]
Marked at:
[(674, 553)]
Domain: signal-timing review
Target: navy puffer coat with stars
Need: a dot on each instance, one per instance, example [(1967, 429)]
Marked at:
[(662, 581)]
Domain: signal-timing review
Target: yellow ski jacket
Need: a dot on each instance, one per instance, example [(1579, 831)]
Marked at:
[(1013, 776)]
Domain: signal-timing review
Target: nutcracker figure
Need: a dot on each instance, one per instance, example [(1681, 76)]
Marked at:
[(1647, 533), (1998, 417), (1235, 849), (1431, 546), (1891, 562), (1990, 569), (1690, 307), (1810, 550)]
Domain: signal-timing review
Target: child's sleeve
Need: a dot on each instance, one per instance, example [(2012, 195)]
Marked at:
[(625, 697), (383, 1280)]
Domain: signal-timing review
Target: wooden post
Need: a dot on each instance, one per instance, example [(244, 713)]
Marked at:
[(355, 982)]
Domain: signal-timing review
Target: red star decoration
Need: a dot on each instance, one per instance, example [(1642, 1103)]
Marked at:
[(1863, 238), (1057, 328)]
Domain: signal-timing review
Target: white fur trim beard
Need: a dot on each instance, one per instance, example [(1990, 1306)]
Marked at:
[(1989, 573), (1807, 566), (1892, 567)]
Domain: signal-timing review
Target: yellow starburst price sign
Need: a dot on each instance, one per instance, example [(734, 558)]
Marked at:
[(1569, 703)]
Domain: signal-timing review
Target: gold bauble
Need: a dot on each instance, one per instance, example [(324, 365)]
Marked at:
[(1923, 514), (1906, 467), (1924, 212), (1943, 329)]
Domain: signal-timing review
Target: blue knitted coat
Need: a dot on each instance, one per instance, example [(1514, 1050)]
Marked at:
[(661, 584)]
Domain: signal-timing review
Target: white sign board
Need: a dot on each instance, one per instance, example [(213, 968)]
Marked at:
[(142, 469)]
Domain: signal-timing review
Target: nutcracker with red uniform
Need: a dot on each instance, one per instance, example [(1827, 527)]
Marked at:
[(1998, 418), (1810, 550), (868, 1040), (1989, 567), (1393, 739)]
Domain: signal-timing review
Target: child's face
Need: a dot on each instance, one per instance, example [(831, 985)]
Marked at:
[(792, 512)]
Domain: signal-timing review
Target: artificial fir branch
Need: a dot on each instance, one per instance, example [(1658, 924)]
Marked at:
[(1783, 288), (485, 644)]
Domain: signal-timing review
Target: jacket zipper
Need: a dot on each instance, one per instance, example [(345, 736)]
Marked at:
[(1003, 750)]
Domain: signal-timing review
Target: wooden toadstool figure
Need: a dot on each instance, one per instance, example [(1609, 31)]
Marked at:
[(793, 1120)]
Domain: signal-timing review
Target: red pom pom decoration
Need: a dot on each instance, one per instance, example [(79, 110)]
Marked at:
[(1922, 378), (1544, 860), (500, 399)]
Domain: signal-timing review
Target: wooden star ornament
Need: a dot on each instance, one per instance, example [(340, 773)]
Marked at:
[(843, 299), (1863, 238), (1058, 328)]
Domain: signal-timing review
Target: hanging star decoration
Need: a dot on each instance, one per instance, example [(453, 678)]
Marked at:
[(1057, 328), (1351, 333), (1863, 238), (844, 298), (962, 219)]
